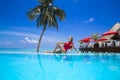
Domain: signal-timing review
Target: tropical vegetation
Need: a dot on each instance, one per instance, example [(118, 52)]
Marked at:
[(46, 14)]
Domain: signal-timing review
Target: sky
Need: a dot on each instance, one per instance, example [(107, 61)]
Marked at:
[(83, 18)]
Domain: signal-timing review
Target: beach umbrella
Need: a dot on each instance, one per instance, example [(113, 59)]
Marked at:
[(109, 33), (102, 39), (86, 40), (94, 41)]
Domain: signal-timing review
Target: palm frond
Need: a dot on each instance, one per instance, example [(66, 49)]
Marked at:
[(95, 36), (55, 23), (33, 13), (59, 13), (45, 1), (46, 14)]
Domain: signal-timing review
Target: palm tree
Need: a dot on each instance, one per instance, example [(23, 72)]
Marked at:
[(46, 14), (95, 36)]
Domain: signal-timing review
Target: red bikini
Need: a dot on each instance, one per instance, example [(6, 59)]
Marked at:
[(68, 45)]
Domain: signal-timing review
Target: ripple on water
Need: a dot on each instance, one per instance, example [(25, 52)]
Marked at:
[(113, 68)]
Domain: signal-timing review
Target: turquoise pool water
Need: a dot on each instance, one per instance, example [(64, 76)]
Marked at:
[(33, 66)]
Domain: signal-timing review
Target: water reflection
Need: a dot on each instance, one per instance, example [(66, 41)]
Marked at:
[(41, 67), (86, 57), (72, 60), (64, 58), (57, 65)]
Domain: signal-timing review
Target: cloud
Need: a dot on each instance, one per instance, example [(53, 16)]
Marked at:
[(51, 40), (49, 37), (8, 42), (19, 34), (33, 41), (29, 40), (89, 20), (22, 41), (1, 41)]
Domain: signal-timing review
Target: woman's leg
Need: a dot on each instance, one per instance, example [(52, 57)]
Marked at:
[(60, 47), (58, 51), (56, 47)]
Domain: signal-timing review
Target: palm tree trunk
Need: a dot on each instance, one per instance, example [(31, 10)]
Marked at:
[(39, 41)]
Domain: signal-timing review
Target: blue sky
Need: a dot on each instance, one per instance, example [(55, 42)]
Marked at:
[(83, 18)]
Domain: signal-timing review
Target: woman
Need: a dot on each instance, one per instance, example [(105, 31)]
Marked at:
[(62, 47)]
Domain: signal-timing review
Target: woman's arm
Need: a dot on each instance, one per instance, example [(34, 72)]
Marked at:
[(71, 50), (75, 49)]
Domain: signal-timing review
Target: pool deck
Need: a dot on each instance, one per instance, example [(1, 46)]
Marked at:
[(101, 50)]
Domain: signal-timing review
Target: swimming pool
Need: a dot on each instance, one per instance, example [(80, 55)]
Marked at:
[(22, 66)]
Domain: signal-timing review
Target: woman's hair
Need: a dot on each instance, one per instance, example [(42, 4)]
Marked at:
[(71, 38)]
